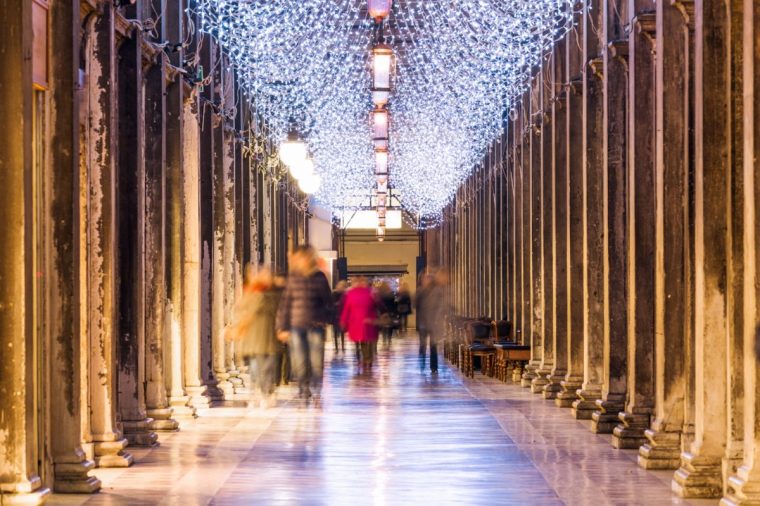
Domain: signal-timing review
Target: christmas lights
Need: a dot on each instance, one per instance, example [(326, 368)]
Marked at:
[(453, 69)]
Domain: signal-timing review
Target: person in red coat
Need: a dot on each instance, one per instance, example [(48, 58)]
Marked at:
[(358, 319)]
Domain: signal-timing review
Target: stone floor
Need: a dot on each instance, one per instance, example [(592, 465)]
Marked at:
[(397, 436)]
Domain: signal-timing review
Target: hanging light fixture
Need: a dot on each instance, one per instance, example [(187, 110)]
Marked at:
[(382, 62), (293, 149), (380, 234), (302, 168), (382, 179), (380, 123), (310, 184), (379, 9), (381, 162)]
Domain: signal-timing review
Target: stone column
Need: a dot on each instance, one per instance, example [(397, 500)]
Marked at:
[(107, 436), (156, 334), (526, 205), (219, 253), (615, 79), (547, 229), (130, 246), (71, 467), (560, 220), (543, 368), (574, 377), (19, 480), (700, 474), (594, 267), (641, 235), (191, 253), (744, 485), (663, 447)]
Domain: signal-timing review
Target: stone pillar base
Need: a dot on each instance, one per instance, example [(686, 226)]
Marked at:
[(743, 489), (629, 434), (605, 418), (568, 395), (698, 477), (181, 408), (199, 396), (585, 405), (225, 386), (529, 375), (39, 496), (517, 373), (554, 385), (661, 451), (139, 433), (540, 381), (112, 454), (162, 420), (73, 478)]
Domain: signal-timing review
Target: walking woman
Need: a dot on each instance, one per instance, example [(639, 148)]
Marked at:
[(305, 310), (339, 336), (358, 319), (254, 331)]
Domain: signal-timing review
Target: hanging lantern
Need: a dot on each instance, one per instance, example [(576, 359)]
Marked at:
[(310, 184), (382, 199), (381, 211), (382, 180), (382, 62), (382, 188), (380, 122), (381, 221), (293, 149), (302, 168), (381, 162), (381, 144), (380, 234), (379, 9)]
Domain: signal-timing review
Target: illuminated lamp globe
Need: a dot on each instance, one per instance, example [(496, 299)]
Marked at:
[(302, 168), (380, 124), (292, 150), (379, 9), (381, 162), (310, 184), (382, 63)]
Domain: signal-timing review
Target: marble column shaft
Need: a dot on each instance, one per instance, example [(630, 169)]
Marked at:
[(700, 474), (65, 338), (107, 436), (19, 478)]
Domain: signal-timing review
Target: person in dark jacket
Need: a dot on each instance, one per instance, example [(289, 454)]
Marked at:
[(306, 308), (339, 335), (404, 306), (431, 316)]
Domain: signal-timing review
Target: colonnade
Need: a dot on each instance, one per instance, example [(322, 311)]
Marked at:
[(137, 184), (614, 223)]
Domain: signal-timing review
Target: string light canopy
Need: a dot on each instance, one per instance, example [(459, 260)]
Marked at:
[(455, 69)]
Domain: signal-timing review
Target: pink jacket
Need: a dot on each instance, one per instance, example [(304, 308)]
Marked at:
[(359, 315)]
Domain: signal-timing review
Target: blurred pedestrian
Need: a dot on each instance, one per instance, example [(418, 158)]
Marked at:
[(254, 331), (388, 318), (338, 334), (404, 306), (305, 310), (358, 318), (431, 316)]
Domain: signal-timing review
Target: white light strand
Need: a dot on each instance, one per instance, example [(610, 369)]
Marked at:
[(458, 67)]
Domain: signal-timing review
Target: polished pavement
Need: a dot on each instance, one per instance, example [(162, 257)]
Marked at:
[(395, 436)]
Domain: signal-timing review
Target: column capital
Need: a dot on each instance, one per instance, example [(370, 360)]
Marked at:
[(618, 49), (686, 7), (645, 24), (596, 65)]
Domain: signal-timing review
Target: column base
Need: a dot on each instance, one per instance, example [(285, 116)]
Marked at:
[(39, 496), (554, 385), (540, 381), (629, 434), (585, 405), (568, 395), (743, 489), (605, 418), (225, 386), (112, 454), (139, 433), (517, 373), (661, 451), (529, 375), (698, 477), (181, 407), (74, 478), (199, 397), (162, 420)]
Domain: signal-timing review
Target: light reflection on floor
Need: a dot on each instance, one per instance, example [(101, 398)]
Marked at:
[(395, 436)]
